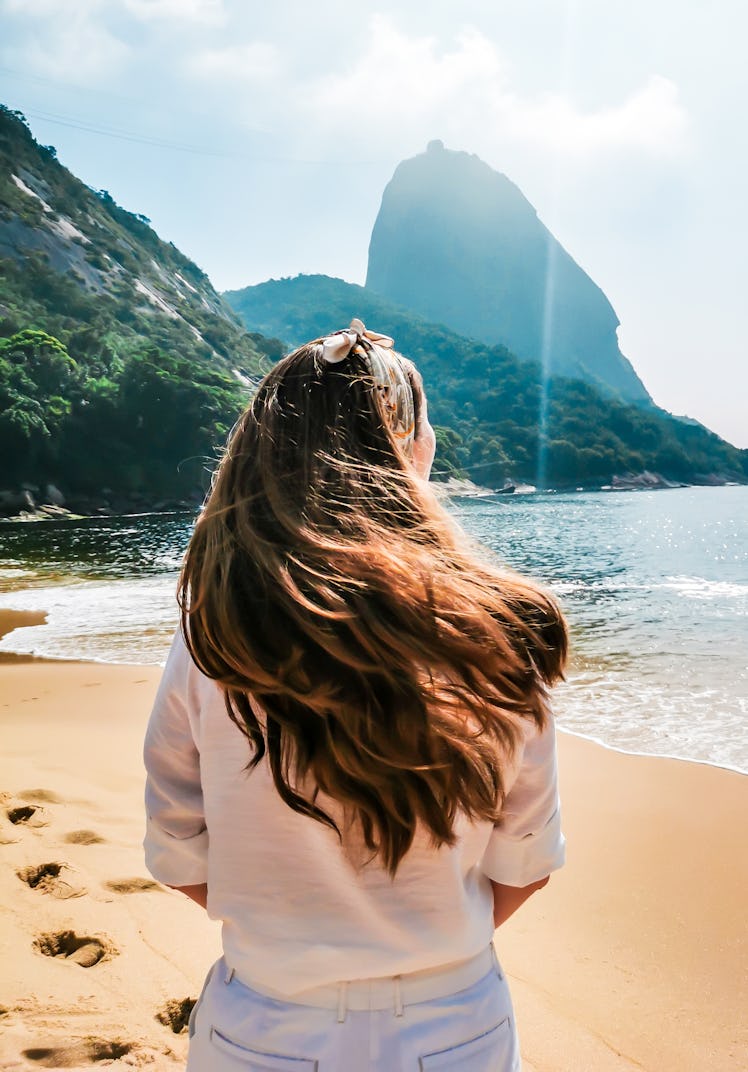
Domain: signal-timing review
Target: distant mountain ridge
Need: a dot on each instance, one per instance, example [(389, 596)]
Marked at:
[(459, 244), (122, 369), (498, 419)]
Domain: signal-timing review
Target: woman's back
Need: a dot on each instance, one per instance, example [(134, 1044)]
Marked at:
[(300, 907), (351, 752)]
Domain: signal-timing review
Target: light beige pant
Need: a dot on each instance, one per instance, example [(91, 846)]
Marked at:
[(236, 1029)]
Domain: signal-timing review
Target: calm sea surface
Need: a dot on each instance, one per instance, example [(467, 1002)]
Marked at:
[(655, 585)]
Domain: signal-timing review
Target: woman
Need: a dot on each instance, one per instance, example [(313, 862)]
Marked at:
[(351, 761)]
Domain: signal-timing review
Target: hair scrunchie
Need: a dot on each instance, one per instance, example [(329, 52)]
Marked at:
[(388, 370)]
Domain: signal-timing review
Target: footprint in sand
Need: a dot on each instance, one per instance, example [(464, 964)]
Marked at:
[(40, 796), (46, 879), (84, 837), (87, 1051), (132, 885), (175, 1014), (27, 815), (85, 950)]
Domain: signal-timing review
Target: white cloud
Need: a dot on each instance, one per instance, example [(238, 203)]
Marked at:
[(73, 46), (90, 40), (401, 77), (58, 40), (406, 89), (651, 120), (256, 61), (210, 12), (34, 8)]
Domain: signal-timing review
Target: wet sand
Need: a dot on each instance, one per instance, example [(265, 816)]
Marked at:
[(19, 619)]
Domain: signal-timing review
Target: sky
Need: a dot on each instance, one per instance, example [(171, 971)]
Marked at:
[(259, 139)]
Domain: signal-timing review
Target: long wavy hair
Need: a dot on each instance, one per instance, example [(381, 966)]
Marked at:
[(362, 642)]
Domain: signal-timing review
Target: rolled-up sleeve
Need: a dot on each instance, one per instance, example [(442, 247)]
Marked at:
[(176, 840), (527, 844)]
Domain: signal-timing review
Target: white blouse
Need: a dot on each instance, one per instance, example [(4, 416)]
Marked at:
[(298, 909)]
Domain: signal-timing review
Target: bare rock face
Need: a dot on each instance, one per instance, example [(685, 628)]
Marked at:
[(645, 481), (458, 243)]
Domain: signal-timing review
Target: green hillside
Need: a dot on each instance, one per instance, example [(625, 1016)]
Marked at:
[(488, 406), (118, 359)]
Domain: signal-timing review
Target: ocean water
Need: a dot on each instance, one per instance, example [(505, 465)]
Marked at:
[(654, 584)]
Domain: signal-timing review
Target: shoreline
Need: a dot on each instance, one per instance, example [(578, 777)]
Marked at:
[(10, 658), (451, 487), (11, 619), (650, 755), (61, 514), (606, 965)]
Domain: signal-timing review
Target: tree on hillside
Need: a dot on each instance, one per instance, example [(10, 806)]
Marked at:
[(170, 411), (36, 375)]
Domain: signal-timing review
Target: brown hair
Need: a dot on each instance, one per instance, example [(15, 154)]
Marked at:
[(388, 659)]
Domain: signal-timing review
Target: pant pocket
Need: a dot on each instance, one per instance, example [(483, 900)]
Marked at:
[(487, 1052), (250, 1060)]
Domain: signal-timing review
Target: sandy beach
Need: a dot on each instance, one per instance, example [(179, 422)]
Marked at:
[(633, 957)]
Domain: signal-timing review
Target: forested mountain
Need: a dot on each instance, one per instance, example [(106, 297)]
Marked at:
[(495, 421), (122, 369), (118, 359), (459, 244)]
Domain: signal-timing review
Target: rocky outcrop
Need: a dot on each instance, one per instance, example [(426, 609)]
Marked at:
[(30, 503), (12, 502), (642, 482)]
